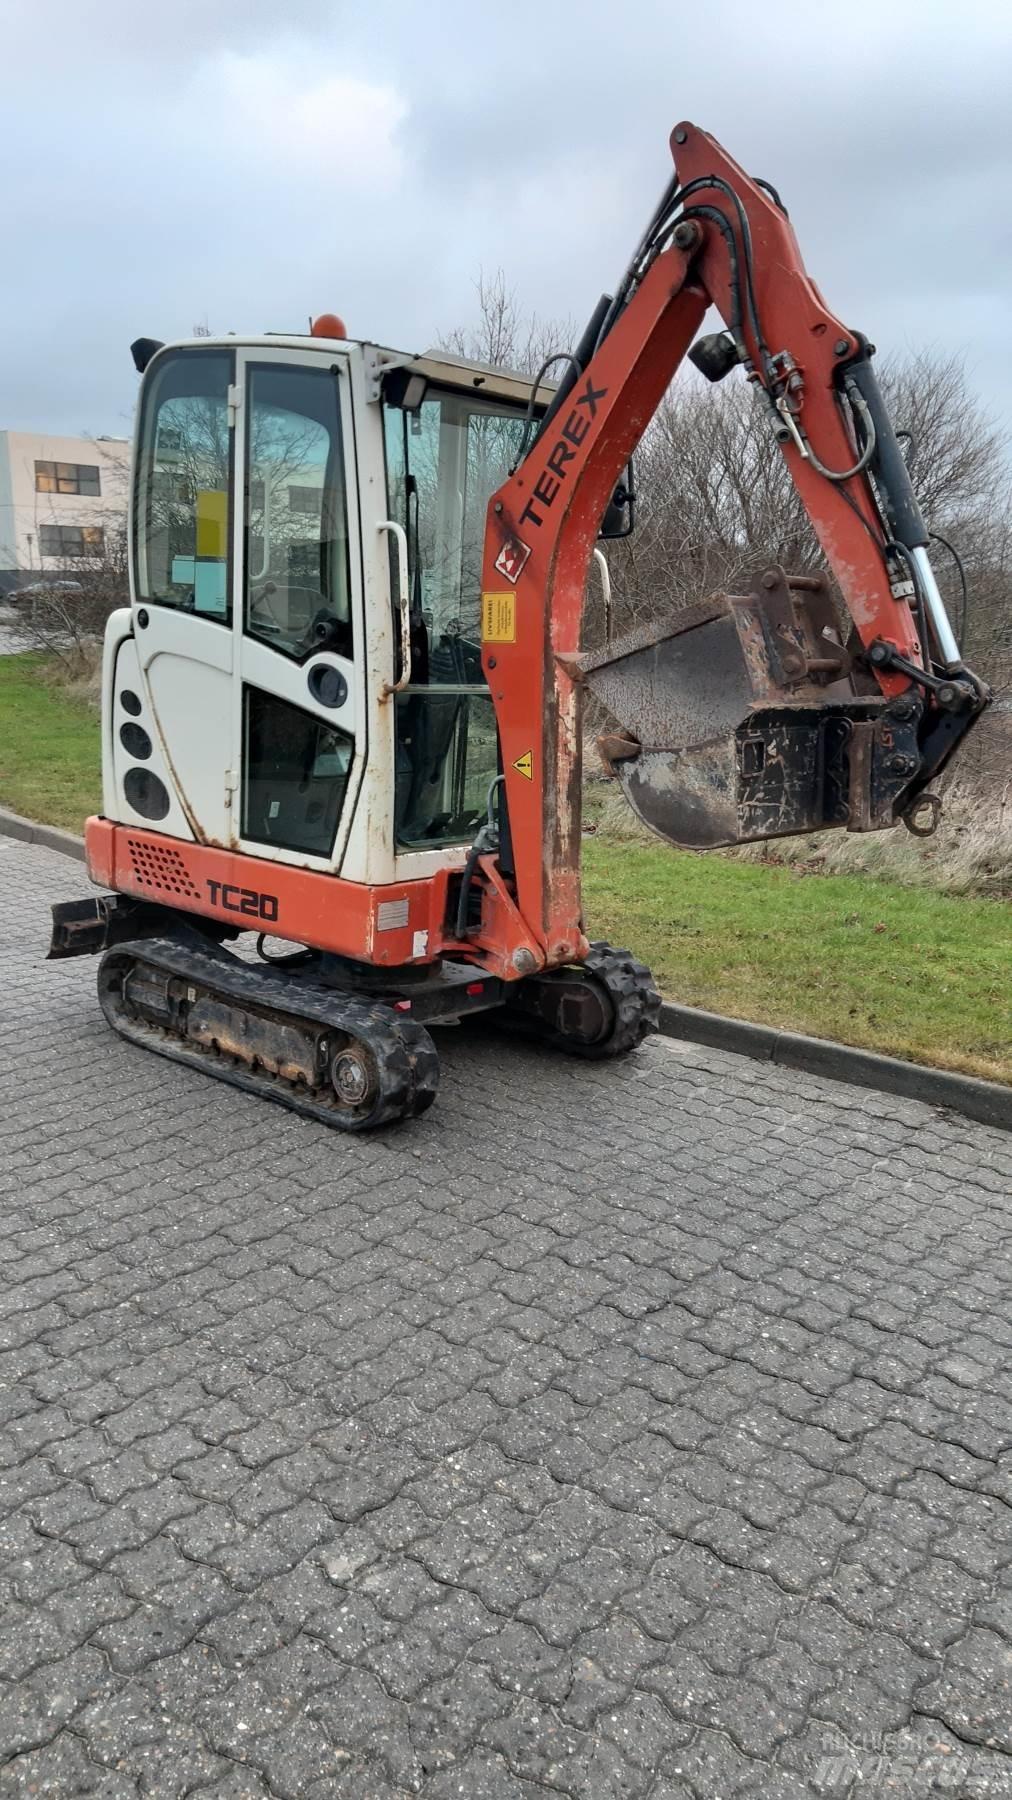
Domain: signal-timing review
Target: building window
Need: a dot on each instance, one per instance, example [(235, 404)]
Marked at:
[(307, 500), (67, 478), (166, 485), (72, 542)]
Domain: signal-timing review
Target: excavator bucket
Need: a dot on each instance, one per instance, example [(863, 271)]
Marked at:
[(744, 717)]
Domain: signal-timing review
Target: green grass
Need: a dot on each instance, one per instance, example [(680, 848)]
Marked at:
[(901, 970), (50, 750), (894, 968)]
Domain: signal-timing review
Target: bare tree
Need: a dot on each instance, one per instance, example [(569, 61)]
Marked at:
[(715, 498), (65, 611), (503, 335)]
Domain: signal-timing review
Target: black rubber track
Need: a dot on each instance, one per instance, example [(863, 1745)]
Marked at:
[(632, 1005), (402, 1052), (635, 1002)]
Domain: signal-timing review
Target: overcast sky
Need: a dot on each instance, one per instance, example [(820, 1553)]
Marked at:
[(248, 163)]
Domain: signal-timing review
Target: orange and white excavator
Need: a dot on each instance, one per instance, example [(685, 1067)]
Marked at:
[(343, 709)]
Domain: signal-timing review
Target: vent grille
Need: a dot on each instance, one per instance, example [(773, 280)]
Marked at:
[(156, 866)]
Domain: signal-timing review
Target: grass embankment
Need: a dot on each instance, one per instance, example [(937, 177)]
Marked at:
[(901, 970), (50, 751), (868, 961)]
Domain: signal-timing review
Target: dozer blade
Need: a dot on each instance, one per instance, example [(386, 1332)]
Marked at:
[(743, 718)]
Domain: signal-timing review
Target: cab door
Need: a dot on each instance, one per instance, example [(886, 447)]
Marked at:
[(297, 713), (176, 672)]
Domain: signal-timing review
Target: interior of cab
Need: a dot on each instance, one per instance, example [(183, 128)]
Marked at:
[(445, 458)]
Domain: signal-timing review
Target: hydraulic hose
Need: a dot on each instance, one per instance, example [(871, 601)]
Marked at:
[(860, 406)]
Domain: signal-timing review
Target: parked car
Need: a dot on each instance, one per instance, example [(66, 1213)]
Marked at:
[(46, 587)]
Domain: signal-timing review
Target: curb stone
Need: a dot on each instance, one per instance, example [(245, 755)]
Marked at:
[(988, 1102), (50, 837)]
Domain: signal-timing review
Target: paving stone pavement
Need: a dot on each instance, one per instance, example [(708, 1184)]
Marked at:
[(638, 1430)]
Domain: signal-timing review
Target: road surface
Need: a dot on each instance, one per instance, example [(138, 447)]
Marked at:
[(638, 1430)]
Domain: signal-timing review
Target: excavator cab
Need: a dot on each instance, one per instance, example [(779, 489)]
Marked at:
[(263, 695)]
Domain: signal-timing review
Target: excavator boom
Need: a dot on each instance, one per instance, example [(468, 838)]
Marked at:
[(819, 699)]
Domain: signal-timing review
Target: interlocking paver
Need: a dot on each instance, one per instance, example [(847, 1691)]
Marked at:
[(611, 1431)]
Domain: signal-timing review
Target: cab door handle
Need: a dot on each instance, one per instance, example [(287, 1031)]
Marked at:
[(400, 537)]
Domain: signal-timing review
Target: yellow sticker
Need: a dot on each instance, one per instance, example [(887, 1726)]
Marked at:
[(212, 517), (499, 618), (524, 764)]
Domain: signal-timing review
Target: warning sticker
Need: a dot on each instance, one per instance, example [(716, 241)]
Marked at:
[(524, 764), (511, 558), (499, 618)]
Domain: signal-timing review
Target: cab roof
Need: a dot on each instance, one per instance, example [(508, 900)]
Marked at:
[(435, 365)]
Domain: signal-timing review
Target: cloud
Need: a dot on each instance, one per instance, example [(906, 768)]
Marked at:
[(333, 127), (251, 166), (220, 190), (110, 40)]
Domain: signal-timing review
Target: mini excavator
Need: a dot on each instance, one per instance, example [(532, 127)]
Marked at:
[(343, 709)]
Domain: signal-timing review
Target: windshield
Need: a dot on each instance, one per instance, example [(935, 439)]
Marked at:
[(444, 463), (448, 458)]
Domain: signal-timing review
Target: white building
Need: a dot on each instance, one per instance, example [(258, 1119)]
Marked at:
[(62, 499)]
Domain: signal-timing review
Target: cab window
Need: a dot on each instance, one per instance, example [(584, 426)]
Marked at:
[(182, 525), (296, 770), (297, 568), (444, 462)]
